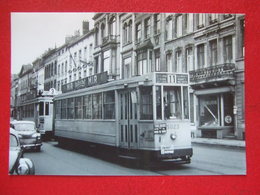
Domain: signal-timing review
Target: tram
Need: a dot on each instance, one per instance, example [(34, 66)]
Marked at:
[(40, 111), (145, 116)]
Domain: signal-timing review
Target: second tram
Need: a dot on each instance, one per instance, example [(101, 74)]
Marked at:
[(141, 117)]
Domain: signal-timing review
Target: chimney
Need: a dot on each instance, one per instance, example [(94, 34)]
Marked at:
[(85, 27)]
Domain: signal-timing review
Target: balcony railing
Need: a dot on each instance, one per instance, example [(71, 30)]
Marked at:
[(212, 72), (109, 39)]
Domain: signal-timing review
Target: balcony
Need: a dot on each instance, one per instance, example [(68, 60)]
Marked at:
[(213, 73), (108, 39)]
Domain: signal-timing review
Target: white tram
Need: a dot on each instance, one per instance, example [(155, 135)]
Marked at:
[(145, 116), (39, 110)]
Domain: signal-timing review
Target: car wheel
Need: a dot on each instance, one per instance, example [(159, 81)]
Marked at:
[(38, 148)]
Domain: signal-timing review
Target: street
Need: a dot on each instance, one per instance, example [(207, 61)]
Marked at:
[(206, 160)]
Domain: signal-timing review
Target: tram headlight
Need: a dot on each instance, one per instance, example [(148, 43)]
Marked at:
[(173, 136)]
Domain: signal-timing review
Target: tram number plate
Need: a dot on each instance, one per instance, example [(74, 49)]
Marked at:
[(167, 149)]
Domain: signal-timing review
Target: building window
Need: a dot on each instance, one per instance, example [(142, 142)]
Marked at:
[(168, 30), (169, 62), (242, 44), (189, 59), (201, 18), (138, 32), (213, 18), (97, 106), (102, 31), (179, 61), (130, 31), (157, 18), (79, 75), (200, 56), (146, 103), (70, 108), (226, 16), (109, 105), (179, 26), (147, 28), (189, 23), (87, 107), (125, 33), (66, 64), (213, 52), (127, 67), (172, 102), (90, 53), (112, 26), (157, 60), (96, 37), (106, 61), (228, 51), (78, 107), (85, 73), (142, 62)]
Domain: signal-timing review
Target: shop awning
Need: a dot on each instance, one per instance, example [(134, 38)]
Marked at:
[(215, 90)]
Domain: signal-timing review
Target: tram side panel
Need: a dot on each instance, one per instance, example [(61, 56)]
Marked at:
[(101, 132)]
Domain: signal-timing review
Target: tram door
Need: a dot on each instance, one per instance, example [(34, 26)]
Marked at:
[(128, 119)]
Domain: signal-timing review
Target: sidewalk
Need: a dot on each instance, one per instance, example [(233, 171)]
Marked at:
[(219, 142)]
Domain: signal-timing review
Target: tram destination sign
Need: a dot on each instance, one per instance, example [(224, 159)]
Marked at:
[(171, 78), (92, 80)]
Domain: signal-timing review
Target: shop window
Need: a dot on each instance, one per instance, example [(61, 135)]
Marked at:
[(87, 107), (146, 103), (158, 103), (109, 105), (97, 106), (63, 109), (70, 108), (228, 109), (78, 107), (209, 111), (172, 102)]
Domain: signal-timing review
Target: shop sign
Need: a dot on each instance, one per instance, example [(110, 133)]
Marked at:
[(171, 78), (92, 80)]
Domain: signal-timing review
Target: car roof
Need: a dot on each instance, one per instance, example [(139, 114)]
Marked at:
[(12, 131), (22, 122)]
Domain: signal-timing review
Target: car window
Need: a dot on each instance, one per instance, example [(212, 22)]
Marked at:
[(24, 127), (13, 141)]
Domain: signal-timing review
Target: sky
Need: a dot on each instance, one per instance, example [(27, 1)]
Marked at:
[(33, 33)]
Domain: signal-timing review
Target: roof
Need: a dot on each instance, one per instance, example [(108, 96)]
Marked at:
[(21, 122), (25, 69)]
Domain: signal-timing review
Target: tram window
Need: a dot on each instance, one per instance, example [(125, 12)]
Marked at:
[(109, 105), (146, 103), (185, 103), (97, 106), (58, 109), (46, 108), (63, 109), (172, 102), (158, 103), (78, 107), (70, 108), (87, 105), (41, 108)]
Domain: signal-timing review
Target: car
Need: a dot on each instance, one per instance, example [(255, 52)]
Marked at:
[(17, 164), (29, 137)]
